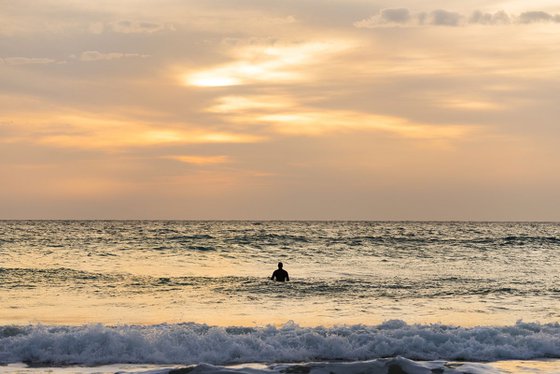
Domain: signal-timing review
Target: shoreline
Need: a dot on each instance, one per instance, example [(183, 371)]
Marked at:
[(382, 365)]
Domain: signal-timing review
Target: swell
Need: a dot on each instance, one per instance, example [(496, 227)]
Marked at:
[(497, 241), (341, 288)]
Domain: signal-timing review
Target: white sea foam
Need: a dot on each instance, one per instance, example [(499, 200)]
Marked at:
[(191, 343)]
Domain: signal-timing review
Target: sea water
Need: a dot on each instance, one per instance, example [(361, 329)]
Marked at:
[(362, 297)]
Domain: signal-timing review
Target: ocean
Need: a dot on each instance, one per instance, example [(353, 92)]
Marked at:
[(196, 296)]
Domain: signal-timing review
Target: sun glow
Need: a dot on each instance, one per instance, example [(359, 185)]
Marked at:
[(276, 64), (211, 79), (233, 104)]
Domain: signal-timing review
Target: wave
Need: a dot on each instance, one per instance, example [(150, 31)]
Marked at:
[(10, 277), (526, 240), (495, 241), (342, 288), (191, 343), (394, 365), (192, 237)]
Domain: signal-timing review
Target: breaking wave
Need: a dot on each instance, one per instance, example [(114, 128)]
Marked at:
[(191, 343)]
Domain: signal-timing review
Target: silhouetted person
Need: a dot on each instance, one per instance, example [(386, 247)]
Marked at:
[(280, 274)]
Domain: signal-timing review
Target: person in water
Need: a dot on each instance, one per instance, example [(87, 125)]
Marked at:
[(280, 274)]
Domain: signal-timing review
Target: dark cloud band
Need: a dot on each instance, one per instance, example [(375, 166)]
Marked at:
[(442, 17)]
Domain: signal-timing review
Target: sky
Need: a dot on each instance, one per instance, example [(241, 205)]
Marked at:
[(280, 109)]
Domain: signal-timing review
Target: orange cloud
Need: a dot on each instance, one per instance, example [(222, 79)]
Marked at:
[(317, 123), (262, 103), (470, 104), (87, 131), (285, 116), (201, 160)]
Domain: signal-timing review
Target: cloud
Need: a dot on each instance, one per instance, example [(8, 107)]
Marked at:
[(485, 18), (99, 56), (96, 27), (311, 122), (26, 60), (90, 131), (201, 160), (277, 20), (137, 27), (267, 63), (471, 104), (398, 15), (442, 17), (85, 56), (538, 17), (140, 27), (288, 117), (405, 17), (240, 104)]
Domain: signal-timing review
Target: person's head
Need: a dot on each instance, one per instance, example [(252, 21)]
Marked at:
[(280, 265)]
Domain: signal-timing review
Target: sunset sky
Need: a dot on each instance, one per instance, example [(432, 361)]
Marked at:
[(252, 109)]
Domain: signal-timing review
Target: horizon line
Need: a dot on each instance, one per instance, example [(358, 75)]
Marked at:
[(269, 220)]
